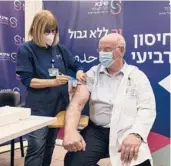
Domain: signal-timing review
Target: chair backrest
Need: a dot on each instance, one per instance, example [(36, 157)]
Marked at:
[(9, 98)]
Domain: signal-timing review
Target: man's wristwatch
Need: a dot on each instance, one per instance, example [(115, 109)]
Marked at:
[(137, 135)]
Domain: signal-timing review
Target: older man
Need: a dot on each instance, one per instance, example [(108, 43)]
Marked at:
[(122, 112)]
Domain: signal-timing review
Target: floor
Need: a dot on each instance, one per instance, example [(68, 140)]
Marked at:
[(57, 160)]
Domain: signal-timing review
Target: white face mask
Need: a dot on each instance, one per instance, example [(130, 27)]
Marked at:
[(49, 38)]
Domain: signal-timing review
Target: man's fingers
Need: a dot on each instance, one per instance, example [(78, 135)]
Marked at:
[(67, 147), (136, 150), (83, 144), (71, 147), (122, 149), (126, 154), (131, 153), (79, 146), (74, 148)]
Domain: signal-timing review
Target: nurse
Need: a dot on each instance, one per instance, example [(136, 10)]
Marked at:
[(43, 64)]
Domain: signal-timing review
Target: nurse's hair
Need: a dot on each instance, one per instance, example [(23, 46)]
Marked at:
[(43, 21)]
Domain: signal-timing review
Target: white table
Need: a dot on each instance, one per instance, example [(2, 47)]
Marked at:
[(22, 127)]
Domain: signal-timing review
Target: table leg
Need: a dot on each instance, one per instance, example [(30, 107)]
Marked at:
[(12, 152)]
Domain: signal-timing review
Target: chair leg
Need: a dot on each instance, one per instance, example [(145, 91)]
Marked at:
[(21, 147), (12, 152)]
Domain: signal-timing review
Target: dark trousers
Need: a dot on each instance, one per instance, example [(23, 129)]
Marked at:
[(41, 144), (97, 143)]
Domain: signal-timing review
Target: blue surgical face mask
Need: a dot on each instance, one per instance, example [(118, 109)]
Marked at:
[(106, 59)]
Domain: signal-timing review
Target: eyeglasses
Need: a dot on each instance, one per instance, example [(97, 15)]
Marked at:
[(107, 49), (54, 31)]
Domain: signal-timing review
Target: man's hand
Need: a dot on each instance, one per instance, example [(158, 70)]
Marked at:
[(73, 142), (130, 148), (81, 76)]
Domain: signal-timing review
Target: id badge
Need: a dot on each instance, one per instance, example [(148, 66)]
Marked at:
[(53, 72)]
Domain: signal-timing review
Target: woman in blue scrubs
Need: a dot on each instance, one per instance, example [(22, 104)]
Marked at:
[(40, 63)]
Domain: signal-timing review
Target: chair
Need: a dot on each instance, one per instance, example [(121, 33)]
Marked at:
[(59, 123), (12, 98)]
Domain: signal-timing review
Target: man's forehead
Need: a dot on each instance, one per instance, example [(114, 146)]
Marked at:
[(110, 38), (107, 43)]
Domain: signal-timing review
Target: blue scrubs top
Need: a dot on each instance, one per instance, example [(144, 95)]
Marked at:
[(36, 61)]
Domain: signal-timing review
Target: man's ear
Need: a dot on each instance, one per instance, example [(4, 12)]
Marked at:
[(122, 49)]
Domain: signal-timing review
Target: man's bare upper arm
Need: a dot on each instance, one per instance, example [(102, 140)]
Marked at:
[(81, 96)]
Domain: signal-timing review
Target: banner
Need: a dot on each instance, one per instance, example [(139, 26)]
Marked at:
[(147, 33), (11, 37), (145, 26)]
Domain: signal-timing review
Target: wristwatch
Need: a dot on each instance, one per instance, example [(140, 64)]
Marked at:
[(137, 135)]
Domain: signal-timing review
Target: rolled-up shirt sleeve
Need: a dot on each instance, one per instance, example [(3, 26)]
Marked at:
[(91, 73), (24, 61), (26, 78), (24, 66)]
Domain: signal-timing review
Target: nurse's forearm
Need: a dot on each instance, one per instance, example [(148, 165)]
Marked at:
[(42, 83)]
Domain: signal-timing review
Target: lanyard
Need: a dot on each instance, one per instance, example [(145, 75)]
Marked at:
[(53, 63), (55, 56)]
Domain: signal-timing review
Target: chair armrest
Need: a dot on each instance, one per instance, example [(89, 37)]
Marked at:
[(60, 119)]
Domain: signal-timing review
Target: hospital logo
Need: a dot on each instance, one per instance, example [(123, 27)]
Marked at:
[(19, 5), (116, 7), (13, 22), (18, 40), (8, 56), (165, 11), (11, 89), (10, 21), (16, 89), (106, 7), (18, 77)]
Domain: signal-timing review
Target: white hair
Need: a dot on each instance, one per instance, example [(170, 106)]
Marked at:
[(121, 42)]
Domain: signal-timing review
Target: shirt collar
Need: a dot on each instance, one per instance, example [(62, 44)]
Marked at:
[(123, 69)]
